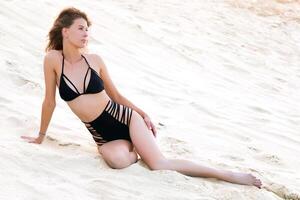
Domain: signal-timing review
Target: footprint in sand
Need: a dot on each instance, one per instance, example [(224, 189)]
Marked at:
[(256, 150), (62, 144), (282, 191), (176, 145), (270, 159), (9, 63), (69, 144), (52, 139)]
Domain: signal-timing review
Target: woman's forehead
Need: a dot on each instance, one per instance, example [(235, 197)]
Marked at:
[(80, 22)]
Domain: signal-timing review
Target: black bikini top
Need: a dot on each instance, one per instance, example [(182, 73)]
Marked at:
[(94, 86)]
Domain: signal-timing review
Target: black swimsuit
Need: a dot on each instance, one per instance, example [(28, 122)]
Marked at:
[(113, 123), (94, 86)]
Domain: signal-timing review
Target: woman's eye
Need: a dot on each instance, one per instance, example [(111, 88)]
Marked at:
[(82, 29)]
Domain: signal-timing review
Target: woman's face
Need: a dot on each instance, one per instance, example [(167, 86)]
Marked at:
[(77, 34)]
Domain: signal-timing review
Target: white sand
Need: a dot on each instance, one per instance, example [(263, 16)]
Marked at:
[(222, 76)]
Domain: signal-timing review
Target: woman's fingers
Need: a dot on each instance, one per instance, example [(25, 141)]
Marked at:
[(150, 125), (31, 139), (27, 137), (154, 130), (147, 121)]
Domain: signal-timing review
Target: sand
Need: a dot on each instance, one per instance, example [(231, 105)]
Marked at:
[(220, 79)]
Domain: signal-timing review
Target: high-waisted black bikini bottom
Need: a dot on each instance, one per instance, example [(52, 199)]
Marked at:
[(112, 124)]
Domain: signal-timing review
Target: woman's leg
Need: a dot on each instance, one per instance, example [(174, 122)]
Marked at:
[(118, 154), (145, 145)]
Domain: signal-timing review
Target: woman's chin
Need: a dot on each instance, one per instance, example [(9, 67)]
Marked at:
[(81, 46)]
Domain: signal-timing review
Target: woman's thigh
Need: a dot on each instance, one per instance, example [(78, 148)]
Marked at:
[(116, 145), (144, 141)]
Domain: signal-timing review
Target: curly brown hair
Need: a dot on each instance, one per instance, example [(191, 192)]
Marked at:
[(64, 20)]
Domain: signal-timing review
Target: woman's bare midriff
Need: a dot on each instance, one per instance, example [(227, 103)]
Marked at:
[(88, 107)]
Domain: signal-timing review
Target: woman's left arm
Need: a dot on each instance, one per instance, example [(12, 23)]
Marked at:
[(115, 95)]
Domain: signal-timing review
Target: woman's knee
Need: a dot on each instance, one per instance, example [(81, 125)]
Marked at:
[(162, 164), (118, 159)]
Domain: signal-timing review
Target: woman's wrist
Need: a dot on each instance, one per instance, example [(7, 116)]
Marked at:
[(42, 134)]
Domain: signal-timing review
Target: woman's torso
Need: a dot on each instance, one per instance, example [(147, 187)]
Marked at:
[(87, 106)]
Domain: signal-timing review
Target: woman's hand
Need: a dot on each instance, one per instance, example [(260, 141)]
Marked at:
[(150, 125), (36, 140)]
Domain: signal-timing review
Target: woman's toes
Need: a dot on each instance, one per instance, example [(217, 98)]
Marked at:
[(257, 183)]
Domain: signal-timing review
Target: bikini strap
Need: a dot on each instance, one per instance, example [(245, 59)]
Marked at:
[(62, 74), (86, 61), (84, 89), (63, 63)]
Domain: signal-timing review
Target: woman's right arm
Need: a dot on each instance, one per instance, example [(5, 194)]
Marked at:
[(49, 103)]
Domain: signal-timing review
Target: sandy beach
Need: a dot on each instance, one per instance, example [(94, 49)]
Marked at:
[(219, 78)]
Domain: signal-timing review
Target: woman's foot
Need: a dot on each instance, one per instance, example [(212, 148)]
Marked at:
[(241, 178)]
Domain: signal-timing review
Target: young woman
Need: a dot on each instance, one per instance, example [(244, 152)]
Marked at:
[(120, 129)]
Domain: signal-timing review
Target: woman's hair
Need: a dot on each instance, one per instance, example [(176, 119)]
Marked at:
[(64, 20)]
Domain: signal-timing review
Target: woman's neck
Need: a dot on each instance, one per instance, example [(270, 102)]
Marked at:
[(72, 55)]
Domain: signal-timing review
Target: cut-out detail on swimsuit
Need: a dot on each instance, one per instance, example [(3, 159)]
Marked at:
[(96, 135), (95, 84), (112, 124), (122, 115)]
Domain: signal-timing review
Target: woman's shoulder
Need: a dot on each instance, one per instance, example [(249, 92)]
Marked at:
[(53, 54), (93, 56), (52, 58), (96, 58)]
